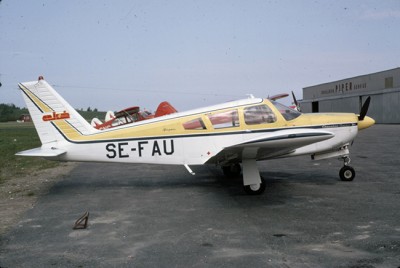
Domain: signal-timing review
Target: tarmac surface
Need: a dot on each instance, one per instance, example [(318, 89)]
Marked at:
[(161, 216)]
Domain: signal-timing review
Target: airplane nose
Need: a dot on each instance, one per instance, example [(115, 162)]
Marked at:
[(365, 123)]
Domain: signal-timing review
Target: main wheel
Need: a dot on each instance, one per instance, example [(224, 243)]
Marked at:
[(347, 173), (232, 170), (255, 189)]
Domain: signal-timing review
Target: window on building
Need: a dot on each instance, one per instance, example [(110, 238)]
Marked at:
[(260, 114), (225, 119), (389, 82)]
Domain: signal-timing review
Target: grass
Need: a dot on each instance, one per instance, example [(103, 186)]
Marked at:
[(16, 137)]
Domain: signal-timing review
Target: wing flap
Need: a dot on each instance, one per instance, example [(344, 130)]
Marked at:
[(42, 152)]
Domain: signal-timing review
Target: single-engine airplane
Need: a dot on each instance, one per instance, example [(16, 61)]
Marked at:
[(233, 135)]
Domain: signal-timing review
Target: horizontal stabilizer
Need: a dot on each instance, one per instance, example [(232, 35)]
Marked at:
[(42, 152)]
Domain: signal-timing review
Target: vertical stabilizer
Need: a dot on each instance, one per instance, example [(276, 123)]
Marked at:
[(51, 113)]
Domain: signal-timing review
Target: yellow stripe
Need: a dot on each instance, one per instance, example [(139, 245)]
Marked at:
[(172, 127), (36, 100)]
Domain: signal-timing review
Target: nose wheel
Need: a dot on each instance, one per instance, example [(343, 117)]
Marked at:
[(347, 173)]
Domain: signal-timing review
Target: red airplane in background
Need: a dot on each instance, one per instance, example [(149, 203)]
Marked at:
[(130, 115), (134, 114)]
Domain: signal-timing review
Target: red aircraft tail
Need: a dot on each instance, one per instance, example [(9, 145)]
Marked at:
[(165, 108)]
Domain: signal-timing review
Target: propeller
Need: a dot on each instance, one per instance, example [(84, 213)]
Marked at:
[(296, 102), (364, 109)]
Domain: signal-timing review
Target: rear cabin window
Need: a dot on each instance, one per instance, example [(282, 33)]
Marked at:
[(225, 119), (260, 114), (195, 124)]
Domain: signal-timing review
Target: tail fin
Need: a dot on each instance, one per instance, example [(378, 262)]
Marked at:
[(95, 122), (53, 117), (165, 108), (109, 116)]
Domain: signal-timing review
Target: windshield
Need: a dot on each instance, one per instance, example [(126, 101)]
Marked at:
[(287, 113)]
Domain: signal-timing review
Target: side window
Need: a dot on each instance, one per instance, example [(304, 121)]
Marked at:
[(195, 124), (260, 114), (287, 113), (225, 119)]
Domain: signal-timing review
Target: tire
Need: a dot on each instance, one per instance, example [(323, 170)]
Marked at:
[(347, 173), (255, 189)]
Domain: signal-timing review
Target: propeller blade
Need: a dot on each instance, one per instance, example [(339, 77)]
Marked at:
[(364, 109), (295, 102)]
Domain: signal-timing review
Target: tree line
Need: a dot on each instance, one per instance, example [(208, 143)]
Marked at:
[(10, 112)]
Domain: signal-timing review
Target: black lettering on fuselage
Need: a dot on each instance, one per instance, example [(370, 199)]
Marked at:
[(121, 150), (111, 149), (140, 147), (156, 149), (171, 149)]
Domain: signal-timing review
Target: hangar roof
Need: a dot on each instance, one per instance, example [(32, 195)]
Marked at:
[(359, 85)]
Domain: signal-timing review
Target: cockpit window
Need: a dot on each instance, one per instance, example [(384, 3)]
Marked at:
[(260, 114), (287, 113)]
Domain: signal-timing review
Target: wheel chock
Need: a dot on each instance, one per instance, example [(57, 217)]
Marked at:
[(82, 222)]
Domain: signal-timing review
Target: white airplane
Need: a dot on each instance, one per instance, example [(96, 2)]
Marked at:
[(233, 135)]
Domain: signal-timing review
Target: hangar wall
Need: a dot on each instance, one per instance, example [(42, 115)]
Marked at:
[(349, 94)]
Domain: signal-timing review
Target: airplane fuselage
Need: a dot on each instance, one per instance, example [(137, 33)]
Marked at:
[(171, 145)]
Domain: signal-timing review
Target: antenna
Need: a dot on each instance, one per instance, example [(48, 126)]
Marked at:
[(250, 96)]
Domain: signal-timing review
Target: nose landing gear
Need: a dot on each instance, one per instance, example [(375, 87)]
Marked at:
[(347, 173)]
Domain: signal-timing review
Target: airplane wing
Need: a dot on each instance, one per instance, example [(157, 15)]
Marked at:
[(269, 145), (42, 152)]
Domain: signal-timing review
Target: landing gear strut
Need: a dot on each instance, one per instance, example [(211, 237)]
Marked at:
[(253, 183), (232, 170), (347, 173)]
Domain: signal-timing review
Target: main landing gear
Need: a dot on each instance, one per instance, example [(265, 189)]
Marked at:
[(255, 189), (347, 173), (253, 183), (233, 170)]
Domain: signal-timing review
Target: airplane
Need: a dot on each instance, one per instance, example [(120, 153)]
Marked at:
[(131, 115), (233, 135)]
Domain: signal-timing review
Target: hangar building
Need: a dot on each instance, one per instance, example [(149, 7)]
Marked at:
[(349, 94)]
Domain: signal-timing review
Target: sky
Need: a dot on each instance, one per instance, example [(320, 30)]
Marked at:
[(111, 55)]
